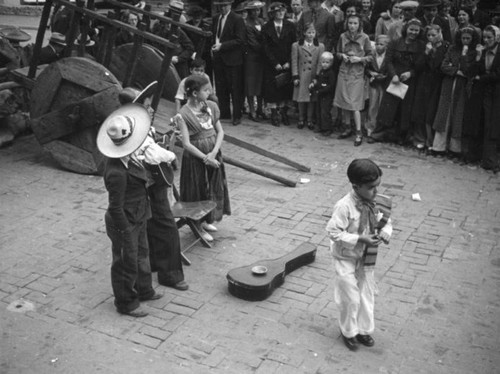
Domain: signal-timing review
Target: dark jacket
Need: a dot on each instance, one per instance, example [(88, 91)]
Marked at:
[(232, 39), (326, 80), (128, 196)]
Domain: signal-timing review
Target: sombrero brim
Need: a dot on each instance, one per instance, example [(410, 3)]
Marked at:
[(147, 92), (15, 34), (142, 122)]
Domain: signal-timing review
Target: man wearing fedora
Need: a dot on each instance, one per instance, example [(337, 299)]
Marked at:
[(54, 50), (122, 139), (229, 33), (430, 17)]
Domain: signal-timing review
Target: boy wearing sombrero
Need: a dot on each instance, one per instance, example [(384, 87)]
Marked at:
[(122, 138)]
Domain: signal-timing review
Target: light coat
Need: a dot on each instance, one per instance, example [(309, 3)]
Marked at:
[(305, 66)]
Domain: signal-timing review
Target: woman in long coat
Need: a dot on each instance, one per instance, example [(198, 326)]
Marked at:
[(405, 59), (278, 52), (428, 88), (482, 117), (456, 67), (254, 55)]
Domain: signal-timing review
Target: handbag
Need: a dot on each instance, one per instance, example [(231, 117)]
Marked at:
[(282, 79)]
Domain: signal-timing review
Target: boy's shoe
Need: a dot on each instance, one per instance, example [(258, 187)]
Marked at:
[(136, 313), (300, 125), (208, 227), (366, 340), (181, 286), (310, 125), (155, 296), (350, 343), (327, 133)]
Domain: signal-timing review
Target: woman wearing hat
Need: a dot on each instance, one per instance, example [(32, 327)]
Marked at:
[(279, 34), (54, 50), (254, 54), (122, 139)]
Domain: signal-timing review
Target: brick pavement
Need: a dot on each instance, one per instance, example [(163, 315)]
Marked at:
[(437, 310)]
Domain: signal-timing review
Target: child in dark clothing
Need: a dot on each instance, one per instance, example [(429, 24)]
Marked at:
[(324, 87)]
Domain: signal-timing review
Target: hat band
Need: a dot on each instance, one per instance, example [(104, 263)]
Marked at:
[(127, 134)]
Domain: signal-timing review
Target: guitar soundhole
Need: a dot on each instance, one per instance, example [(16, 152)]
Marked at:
[(259, 270)]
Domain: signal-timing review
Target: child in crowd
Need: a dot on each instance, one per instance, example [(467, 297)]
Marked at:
[(355, 50), (197, 68), (355, 230), (324, 89), (377, 76), (305, 65)]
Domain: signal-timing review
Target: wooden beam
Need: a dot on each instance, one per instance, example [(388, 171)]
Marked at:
[(255, 170), (44, 20), (263, 152), (118, 24), (159, 17)]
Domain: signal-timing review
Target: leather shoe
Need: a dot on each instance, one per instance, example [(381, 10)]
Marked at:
[(358, 140), (237, 121), (345, 134), (350, 343), (371, 140), (181, 286), (300, 125), (365, 340), (208, 227), (155, 296), (136, 313), (253, 117)]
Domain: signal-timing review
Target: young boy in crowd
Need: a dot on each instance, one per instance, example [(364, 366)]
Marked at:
[(197, 68), (324, 87), (356, 228), (377, 75)]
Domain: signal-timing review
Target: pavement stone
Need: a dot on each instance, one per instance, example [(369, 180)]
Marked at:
[(437, 310)]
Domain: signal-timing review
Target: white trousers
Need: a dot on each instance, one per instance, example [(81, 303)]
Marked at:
[(354, 292)]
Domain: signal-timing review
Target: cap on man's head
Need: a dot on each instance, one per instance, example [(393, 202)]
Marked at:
[(408, 4), (276, 6)]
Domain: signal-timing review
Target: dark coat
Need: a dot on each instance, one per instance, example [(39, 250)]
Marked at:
[(486, 89), (277, 50), (481, 19), (183, 51), (429, 87), (233, 39), (128, 196), (326, 81), (373, 66), (453, 90)]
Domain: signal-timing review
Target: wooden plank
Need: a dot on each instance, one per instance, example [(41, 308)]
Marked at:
[(72, 158), (44, 20), (75, 117), (258, 171), (42, 94), (266, 153)]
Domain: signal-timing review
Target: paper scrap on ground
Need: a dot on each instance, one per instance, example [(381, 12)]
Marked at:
[(304, 180), (416, 197)]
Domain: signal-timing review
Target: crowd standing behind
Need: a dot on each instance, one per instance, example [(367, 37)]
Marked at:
[(440, 56)]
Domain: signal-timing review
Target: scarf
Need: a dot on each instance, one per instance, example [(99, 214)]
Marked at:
[(368, 221)]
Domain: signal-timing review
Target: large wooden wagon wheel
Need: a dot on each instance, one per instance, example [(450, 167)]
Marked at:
[(148, 68), (70, 100)]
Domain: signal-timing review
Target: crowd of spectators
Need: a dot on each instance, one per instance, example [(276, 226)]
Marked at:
[(424, 74)]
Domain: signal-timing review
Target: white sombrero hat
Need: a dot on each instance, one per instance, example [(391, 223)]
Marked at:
[(124, 131)]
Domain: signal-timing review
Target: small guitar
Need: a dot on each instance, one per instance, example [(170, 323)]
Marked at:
[(257, 281)]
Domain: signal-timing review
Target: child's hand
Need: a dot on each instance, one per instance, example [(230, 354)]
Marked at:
[(395, 79), (296, 82), (385, 237), (355, 59), (311, 86), (286, 66), (370, 240)]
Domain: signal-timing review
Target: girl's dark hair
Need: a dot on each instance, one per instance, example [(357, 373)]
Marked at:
[(194, 83), (466, 30), (467, 10), (198, 63), (362, 171), (302, 38)]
